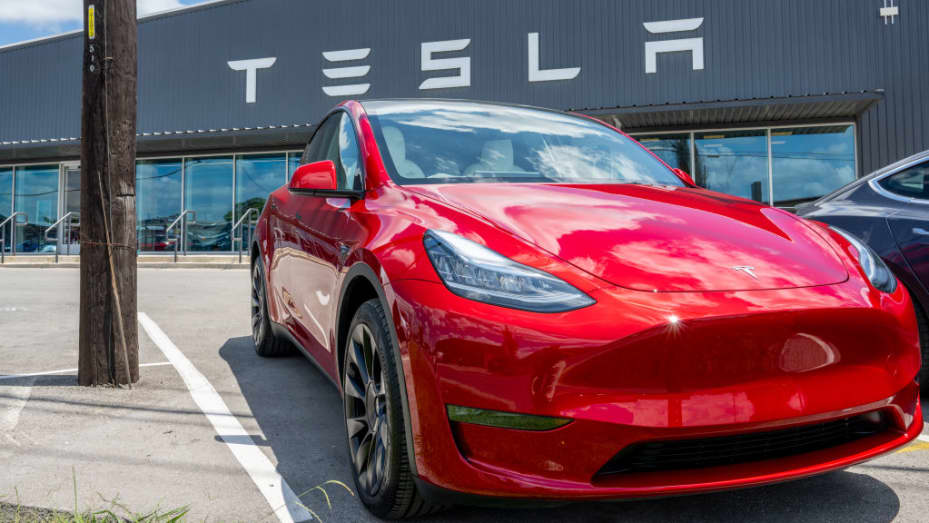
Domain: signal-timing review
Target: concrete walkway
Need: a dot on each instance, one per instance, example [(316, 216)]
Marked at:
[(152, 261)]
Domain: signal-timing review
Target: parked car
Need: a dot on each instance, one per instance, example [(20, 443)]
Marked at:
[(889, 211), (522, 303)]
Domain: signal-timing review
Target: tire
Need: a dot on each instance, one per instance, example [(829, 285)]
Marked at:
[(266, 343), (374, 424)]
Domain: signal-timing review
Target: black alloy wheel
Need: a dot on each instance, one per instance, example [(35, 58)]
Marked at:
[(266, 343), (374, 419), (258, 313), (366, 410)]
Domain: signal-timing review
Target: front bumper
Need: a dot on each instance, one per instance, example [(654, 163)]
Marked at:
[(736, 362)]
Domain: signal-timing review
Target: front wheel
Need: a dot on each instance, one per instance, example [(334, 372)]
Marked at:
[(374, 419)]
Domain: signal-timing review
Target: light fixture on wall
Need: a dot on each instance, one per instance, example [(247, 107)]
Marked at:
[(889, 12)]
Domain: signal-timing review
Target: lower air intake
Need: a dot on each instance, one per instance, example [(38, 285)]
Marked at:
[(741, 448)]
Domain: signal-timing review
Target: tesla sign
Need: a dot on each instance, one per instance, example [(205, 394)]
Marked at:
[(348, 70)]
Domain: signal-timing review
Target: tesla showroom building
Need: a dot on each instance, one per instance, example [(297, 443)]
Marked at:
[(780, 101)]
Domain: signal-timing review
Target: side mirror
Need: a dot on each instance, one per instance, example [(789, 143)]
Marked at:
[(316, 176), (686, 177)]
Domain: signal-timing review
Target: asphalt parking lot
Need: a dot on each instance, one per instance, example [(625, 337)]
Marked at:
[(153, 446)]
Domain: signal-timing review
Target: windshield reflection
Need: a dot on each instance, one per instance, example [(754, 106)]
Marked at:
[(426, 142)]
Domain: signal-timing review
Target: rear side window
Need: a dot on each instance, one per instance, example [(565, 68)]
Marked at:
[(911, 183)]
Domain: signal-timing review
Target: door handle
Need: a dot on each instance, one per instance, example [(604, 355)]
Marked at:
[(920, 231)]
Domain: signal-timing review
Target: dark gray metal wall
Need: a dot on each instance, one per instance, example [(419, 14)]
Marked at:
[(753, 49)]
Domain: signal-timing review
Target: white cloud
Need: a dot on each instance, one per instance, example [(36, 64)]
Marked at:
[(147, 7), (45, 13)]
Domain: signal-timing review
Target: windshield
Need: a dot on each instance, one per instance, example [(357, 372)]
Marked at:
[(462, 142)]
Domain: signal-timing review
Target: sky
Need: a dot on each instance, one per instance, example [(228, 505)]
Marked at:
[(22, 20)]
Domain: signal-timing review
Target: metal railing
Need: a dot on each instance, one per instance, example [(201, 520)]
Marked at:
[(179, 236), (10, 218), (240, 237), (69, 226)]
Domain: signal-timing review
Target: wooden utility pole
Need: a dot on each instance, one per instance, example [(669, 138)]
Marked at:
[(109, 339)]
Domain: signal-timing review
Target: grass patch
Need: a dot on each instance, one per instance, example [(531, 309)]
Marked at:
[(115, 512)]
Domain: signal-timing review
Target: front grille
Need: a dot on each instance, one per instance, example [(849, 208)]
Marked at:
[(740, 448)]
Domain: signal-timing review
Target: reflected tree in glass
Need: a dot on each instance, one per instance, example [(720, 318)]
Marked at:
[(256, 177)]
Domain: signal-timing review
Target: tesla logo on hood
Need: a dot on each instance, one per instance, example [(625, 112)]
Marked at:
[(746, 269)]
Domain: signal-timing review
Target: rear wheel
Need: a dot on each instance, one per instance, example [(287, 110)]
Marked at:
[(266, 343), (374, 419)]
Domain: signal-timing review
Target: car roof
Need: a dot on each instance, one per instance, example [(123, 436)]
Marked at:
[(909, 159), (373, 105)]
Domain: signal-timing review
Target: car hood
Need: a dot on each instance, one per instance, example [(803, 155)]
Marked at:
[(655, 238)]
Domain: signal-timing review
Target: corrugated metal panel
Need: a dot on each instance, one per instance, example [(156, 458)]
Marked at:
[(736, 112), (754, 49)]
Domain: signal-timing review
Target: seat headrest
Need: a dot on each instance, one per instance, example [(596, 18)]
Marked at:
[(396, 144), (498, 153)]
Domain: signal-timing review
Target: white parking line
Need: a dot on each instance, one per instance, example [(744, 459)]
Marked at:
[(285, 504), (17, 396), (63, 371)]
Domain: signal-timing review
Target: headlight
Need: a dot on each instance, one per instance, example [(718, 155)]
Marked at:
[(872, 264), (473, 271)]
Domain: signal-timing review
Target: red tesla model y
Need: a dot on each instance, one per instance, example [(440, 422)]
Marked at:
[(521, 304)]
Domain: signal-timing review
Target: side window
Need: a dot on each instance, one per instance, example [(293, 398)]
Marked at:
[(349, 156), (911, 183), (336, 141)]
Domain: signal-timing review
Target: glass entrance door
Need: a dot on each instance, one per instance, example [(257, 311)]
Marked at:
[(36, 194), (69, 234)]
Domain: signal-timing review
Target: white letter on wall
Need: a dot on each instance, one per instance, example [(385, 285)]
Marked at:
[(463, 64), (547, 75), (351, 71), (694, 45), (250, 67)]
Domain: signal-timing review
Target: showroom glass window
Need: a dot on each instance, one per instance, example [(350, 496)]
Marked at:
[(674, 149), (808, 162), (6, 202), (293, 161), (208, 192), (36, 195), (733, 162), (158, 201), (256, 176)]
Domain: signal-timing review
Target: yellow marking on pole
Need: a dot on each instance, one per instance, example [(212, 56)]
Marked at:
[(91, 23), (913, 447)]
